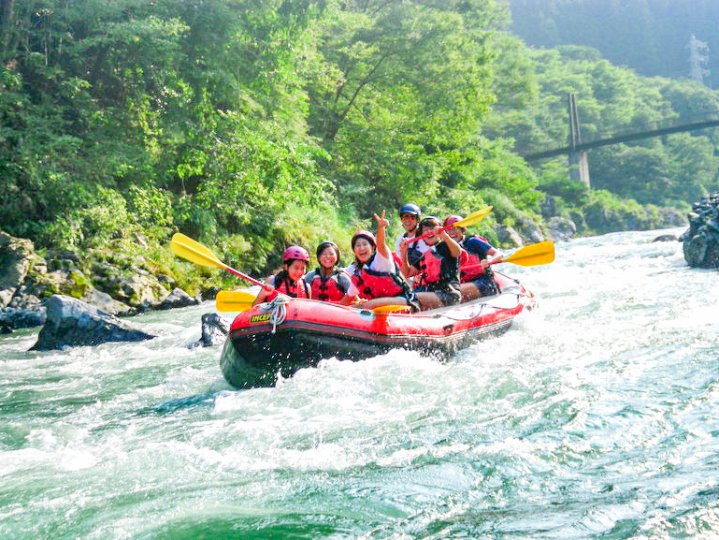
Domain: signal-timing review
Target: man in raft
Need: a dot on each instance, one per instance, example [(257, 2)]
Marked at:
[(409, 214)]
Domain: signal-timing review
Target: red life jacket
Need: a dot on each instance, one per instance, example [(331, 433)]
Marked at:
[(470, 264), (372, 284), (291, 289), (438, 270), (327, 288), (430, 269), (470, 267)]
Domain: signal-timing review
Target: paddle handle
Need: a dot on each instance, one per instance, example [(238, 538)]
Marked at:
[(243, 276), (428, 234)]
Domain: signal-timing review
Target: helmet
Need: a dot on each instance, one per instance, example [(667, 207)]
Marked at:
[(295, 253), (429, 221), (451, 220), (364, 234), (410, 208), (324, 245)]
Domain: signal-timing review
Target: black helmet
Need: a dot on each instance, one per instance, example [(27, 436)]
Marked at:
[(430, 221), (410, 208), (324, 245)]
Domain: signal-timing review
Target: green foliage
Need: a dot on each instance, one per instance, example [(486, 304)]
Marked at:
[(253, 125), (605, 213), (400, 96)]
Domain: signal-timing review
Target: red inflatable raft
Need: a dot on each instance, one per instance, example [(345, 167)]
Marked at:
[(279, 338)]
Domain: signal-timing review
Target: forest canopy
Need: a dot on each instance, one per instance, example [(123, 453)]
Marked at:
[(254, 124)]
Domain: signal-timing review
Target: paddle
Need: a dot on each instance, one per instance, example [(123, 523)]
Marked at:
[(532, 255), (395, 308), (193, 251), (471, 219), (234, 301)]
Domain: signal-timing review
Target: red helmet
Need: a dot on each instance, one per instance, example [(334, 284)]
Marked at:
[(451, 220), (295, 253), (366, 235)]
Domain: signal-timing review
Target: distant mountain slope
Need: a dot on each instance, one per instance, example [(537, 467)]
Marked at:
[(650, 36)]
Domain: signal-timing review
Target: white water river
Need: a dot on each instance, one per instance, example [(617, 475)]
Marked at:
[(595, 416)]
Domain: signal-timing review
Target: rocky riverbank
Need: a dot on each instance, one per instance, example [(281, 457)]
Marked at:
[(116, 284), (701, 239)]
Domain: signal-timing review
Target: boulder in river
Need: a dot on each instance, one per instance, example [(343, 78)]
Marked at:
[(701, 240), (214, 331), (71, 323), (666, 238)]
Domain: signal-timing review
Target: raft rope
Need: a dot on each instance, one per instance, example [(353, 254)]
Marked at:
[(278, 309)]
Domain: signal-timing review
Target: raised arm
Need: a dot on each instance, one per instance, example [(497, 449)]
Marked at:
[(382, 247)]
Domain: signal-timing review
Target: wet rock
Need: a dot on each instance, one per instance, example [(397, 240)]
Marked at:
[(71, 323), (507, 236), (22, 318), (214, 331), (107, 303), (561, 229), (176, 299), (529, 230), (210, 294), (15, 261), (700, 242), (665, 238), (139, 291), (166, 280)]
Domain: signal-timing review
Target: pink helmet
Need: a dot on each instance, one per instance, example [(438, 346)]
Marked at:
[(295, 253), (366, 235), (451, 220)]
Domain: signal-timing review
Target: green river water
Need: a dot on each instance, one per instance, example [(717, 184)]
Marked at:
[(595, 416)]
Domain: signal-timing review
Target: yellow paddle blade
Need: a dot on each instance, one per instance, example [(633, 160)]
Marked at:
[(533, 255), (233, 301), (475, 218), (386, 310), (193, 251)]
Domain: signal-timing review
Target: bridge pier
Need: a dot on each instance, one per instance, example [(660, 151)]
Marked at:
[(578, 162), (579, 167)]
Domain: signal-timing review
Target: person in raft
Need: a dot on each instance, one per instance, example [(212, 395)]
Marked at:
[(436, 275), (289, 280), (375, 273), (410, 214), (476, 275), (328, 282)]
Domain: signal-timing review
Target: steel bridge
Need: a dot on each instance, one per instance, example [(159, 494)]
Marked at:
[(577, 149)]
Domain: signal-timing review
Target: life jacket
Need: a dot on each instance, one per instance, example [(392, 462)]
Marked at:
[(470, 264), (285, 286), (436, 272), (327, 289), (373, 284)]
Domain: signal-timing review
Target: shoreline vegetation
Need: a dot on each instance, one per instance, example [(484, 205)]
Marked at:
[(253, 126)]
